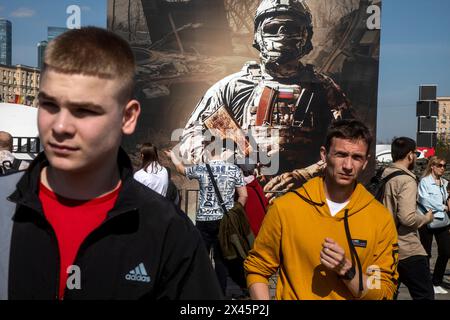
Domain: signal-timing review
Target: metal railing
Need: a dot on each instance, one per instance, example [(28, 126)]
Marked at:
[(187, 192), (26, 145)]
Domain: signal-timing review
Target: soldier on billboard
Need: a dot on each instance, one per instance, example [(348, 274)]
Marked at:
[(285, 106)]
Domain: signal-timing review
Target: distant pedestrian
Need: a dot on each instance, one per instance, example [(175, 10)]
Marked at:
[(229, 180), (400, 197), (151, 173), (8, 162), (433, 195)]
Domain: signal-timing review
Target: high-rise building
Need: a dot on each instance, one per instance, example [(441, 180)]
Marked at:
[(444, 119), (53, 32), (427, 116), (40, 51), (5, 42)]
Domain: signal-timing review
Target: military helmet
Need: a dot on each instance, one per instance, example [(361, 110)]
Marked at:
[(271, 7)]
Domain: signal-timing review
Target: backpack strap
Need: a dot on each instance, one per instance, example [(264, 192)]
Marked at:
[(396, 174), (385, 180), (216, 189), (7, 168), (16, 164)]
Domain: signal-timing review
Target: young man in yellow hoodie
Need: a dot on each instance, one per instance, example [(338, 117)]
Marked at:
[(329, 239)]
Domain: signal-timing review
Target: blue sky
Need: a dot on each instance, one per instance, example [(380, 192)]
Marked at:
[(415, 49), (30, 19)]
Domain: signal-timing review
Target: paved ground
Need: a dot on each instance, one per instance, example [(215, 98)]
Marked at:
[(404, 294), (234, 292)]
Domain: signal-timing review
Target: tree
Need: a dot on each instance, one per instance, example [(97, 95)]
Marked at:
[(443, 149)]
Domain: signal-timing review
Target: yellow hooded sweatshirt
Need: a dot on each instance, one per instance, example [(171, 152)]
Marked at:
[(291, 237)]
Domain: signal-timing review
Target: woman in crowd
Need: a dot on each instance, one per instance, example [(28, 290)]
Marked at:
[(151, 173), (433, 195)]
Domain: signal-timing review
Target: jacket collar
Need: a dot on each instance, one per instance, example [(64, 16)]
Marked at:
[(431, 180), (27, 191)]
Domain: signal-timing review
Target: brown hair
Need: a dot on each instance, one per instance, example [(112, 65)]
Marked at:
[(348, 129), (93, 51), (149, 157), (434, 160)]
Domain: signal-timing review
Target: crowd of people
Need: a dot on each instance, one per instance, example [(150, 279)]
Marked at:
[(120, 232)]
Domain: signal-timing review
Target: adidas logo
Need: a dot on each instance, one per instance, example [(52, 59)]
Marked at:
[(138, 274)]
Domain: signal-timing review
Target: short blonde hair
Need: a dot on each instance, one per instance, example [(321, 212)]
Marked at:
[(95, 52)]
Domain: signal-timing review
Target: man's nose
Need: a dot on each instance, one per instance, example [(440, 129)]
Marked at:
[(348, 164), (63, 125)]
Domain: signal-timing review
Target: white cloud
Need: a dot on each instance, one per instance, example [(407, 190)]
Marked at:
[(23, 12)]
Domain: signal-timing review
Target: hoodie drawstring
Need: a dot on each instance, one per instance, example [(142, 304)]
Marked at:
[(353, 253), (308, 200)]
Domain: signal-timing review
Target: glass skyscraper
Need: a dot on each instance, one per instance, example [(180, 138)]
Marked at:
[(5, 42), (41, 50), (53, 32)]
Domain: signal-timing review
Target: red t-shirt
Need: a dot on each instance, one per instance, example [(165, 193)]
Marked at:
[(72, 221)]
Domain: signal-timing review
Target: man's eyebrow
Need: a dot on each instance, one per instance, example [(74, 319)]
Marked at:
[(356, 154), (85, 105), (43, 95)]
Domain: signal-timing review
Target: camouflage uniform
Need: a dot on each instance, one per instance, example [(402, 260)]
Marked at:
[(307, 101)]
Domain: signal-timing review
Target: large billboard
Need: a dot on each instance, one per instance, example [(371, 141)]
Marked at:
[(274, 74)]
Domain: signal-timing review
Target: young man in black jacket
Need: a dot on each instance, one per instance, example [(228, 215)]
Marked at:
[(77, 225)]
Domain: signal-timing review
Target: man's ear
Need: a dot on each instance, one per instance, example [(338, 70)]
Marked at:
[(323, 154), (131, 114), (366, 162)]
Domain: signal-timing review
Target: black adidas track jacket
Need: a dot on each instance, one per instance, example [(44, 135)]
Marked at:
[(145, 249)]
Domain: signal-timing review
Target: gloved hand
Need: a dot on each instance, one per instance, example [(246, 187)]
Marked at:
[(292, 180)]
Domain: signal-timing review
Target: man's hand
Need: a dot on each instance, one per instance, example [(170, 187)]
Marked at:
[(332, 256), (176, 162), (168, 153), (291, 180), (429, 215), (171, 155)]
